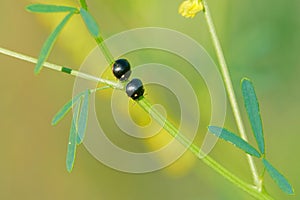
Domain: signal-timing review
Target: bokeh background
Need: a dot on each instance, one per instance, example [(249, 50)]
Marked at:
[(260, 41)]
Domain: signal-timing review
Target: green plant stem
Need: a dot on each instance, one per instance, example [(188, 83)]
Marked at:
[(229, 89), (116, 85), (146, 105), (100, 42), (108, 56), (171, 129), (83, 4)]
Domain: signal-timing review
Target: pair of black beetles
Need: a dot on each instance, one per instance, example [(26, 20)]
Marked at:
[(121, 70)]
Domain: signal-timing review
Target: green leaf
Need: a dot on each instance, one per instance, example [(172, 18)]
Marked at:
[(43, 8), (83, 116), (253, 111), (234, 139), (71, 152), (279, 179), (49, 43), (90, 23), (65, 109)]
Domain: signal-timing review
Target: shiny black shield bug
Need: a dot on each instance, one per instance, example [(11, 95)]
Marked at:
[(135, 89), (121, 69)]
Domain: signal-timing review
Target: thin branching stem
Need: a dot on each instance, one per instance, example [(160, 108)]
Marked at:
[(59, 68), (108, 56), (171, 129), (167, 125), (229, 88), (100, 41)]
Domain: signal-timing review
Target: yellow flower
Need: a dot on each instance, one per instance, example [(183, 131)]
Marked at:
[(190, 8)]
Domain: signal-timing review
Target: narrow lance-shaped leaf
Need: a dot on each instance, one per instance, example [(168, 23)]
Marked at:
[(83, 116), (49, 44), (90, 23), (234, 139), (253, 111), (279, 179), (65, 109), (71, 152), (44, 8)]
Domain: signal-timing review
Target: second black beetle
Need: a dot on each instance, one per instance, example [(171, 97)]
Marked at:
[(135, 89)]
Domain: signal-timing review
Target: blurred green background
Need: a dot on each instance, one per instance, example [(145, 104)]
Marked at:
[(260, 41)]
